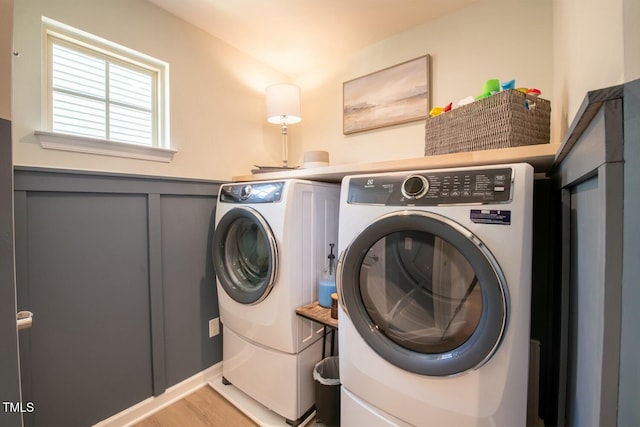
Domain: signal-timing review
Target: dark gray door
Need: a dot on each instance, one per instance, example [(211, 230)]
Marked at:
[(11, 410)]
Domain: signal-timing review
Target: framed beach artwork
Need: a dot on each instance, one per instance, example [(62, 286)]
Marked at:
[(394, 95)]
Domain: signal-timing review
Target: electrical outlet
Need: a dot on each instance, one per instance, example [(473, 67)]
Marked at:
[(214, 327)]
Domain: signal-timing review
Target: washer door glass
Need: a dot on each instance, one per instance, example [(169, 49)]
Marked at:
[(424, 293), (245, 255)]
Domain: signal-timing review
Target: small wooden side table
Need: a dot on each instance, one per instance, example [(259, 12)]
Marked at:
[(317, 313)]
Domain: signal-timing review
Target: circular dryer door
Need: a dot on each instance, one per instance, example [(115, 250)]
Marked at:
[(424, 293), (245, 255)]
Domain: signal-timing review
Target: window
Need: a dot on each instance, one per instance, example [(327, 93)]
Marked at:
[(93, 96), (102, 96)]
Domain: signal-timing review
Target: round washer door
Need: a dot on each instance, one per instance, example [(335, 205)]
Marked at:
[(424, 293), (245, 255)]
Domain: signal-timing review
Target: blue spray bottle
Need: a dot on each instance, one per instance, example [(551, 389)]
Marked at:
[(327, 284)]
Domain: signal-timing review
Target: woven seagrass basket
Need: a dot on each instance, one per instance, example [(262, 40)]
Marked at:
[(506, 119)]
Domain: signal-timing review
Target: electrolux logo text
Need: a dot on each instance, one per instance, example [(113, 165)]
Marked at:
[(14, 407)]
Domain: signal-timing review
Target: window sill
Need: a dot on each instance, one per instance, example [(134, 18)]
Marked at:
[(80, 144)]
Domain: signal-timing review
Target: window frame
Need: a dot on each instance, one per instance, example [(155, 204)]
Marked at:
[(159, 150)]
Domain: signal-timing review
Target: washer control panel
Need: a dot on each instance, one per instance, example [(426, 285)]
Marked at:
[(256, 192), (433, 188)]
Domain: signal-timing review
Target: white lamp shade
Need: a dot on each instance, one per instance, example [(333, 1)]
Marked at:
[(283, 104)]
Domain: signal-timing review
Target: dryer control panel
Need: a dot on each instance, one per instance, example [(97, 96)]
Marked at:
[(256, 192), (433, 188)]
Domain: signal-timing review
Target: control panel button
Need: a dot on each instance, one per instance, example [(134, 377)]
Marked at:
[(414, 187), (245, 192)]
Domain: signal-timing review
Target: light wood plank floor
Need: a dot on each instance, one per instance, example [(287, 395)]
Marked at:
[(203, 408)]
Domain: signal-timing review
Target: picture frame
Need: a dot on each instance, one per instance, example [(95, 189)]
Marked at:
[(391, 96)]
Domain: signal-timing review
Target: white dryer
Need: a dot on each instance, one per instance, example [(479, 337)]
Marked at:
[(269, 247), (434, 281)]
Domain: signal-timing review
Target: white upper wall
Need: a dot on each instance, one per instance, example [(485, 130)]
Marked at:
[(589, 50), (631, 37), (217, 102), (503, 39), (563, 47)]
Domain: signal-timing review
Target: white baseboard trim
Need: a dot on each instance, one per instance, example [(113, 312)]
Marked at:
[(149, 406)]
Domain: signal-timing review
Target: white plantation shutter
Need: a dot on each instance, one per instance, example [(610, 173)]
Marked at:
[(78, 95), (131, 106), (99, 96)]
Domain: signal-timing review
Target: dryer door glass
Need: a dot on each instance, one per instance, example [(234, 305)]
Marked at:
[(245, 255), (423, 294)]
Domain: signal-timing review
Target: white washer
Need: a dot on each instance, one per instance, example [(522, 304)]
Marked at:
[(434, 279), (269, 248)]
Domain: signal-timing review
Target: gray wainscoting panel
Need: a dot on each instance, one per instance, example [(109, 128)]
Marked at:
[(88, 285), (156, 295), (117, 271), (189, 285)]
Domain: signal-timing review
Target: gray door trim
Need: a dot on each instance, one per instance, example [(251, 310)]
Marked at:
[(488, 335), (9, 365)]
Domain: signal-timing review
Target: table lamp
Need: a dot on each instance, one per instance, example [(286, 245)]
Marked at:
[(283, 108)]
